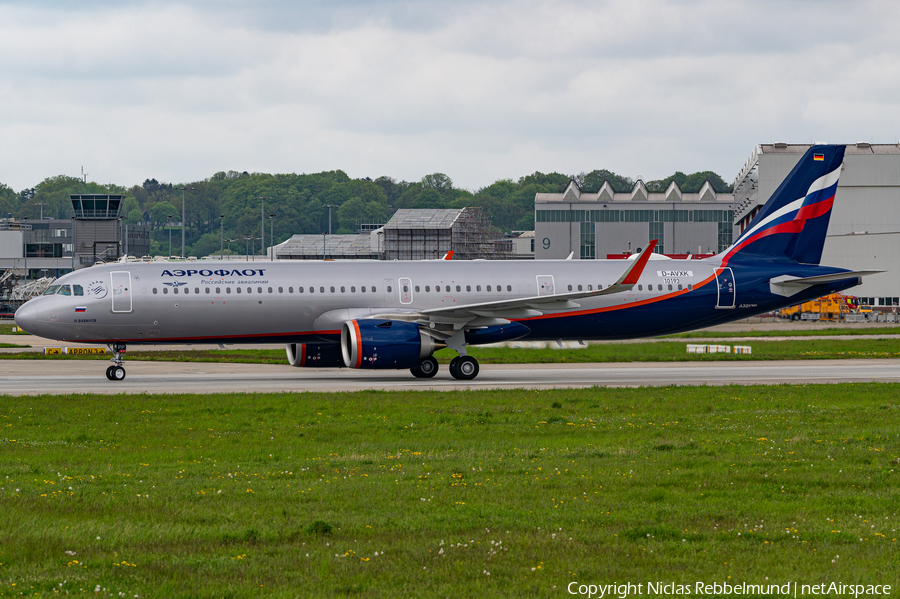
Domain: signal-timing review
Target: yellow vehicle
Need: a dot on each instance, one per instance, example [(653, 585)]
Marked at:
[(830, 307)]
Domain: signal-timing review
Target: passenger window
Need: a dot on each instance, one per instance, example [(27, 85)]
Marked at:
[(579, 288), (352, 289), (388, 288), (417, 288), (270, 290), (343, 289), (679, 288), (154, 290), (590, 288), (427, 288), (363, 288), (332, 289), (259, 290), (570, 288), (64, 290), (478, 288), (670, 287), (78, 289), (165, 290), (218, 290), (488, 288), (458, 288), (437, 287), (468, 288), (509, 287), (197, 290), (228, 289), (238, 289), (690, 287), (290, 289), (321, 290), (660, 287), (373, 289)]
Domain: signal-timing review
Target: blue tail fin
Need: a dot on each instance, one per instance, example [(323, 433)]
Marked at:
[(793, 223)]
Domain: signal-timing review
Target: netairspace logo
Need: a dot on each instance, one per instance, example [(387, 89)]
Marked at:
[(789, 589)]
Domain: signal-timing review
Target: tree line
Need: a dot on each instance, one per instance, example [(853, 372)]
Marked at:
[(299, 202)]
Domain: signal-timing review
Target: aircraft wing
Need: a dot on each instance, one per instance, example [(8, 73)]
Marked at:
[(787, 285), (499, 312)]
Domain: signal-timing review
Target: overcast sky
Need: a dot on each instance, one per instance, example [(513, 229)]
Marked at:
[(477, 90)]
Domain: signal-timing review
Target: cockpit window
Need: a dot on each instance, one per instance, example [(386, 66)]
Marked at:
[(51, 289), (64, 290), (78, 289)]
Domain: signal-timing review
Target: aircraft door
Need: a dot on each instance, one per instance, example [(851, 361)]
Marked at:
[(389, 291), (726, 287), (545, 285), (121, 291), (405, 291)]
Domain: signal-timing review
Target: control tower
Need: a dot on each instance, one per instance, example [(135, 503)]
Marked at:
[(96, 224)]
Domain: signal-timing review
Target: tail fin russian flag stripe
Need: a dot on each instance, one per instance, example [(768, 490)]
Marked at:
[(792, 217)]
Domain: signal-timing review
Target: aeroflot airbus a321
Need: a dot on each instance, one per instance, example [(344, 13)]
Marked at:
[(394, 315)]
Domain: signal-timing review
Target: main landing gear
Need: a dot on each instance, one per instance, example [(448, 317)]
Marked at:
[(426, 369), (116, 372), (462, 368)]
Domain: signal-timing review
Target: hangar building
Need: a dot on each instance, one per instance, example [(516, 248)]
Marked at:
[(864, 230), (593, 225)]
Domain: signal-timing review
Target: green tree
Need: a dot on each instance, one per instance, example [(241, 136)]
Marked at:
[(160, 211), (9, 200)]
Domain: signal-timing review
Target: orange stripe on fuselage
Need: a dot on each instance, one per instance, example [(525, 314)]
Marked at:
[(623, 306)]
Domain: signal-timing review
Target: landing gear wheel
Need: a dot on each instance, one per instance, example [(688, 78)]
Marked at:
[(466, 368), (453, 363), (109, 373), (426, 369), (118, 373)]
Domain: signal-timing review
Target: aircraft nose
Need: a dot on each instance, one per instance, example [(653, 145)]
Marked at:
[(26, 317)]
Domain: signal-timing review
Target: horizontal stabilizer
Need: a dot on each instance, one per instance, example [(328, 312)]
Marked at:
[(787, 285)]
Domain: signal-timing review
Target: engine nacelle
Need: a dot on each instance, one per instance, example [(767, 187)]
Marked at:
[(373, 343), (315, 355)]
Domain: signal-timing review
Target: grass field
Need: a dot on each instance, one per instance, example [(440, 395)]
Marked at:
[(663, 351), (457, 494), (850, 329)]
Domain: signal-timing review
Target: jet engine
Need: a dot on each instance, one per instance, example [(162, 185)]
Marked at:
[(315, 355), (374, 343)]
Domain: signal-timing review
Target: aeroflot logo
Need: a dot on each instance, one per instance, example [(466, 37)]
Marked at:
[(247, 272)]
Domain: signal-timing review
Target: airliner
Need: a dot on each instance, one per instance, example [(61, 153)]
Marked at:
[(396, 314)]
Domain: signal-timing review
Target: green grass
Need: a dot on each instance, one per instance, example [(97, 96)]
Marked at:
[(7, 329), (13, 345), (662, 351), (850, 329), (382, 494)]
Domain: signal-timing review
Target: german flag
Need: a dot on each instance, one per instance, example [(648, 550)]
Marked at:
[(818, 156)]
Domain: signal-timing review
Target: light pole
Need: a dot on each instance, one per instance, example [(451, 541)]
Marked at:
[(25, 239), (329, 206), (221, 236), (182, 188), (272, 234), (41, 204), (262, 217), (168, 226)]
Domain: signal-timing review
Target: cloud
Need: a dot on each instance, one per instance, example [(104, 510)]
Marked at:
[(480, 91)]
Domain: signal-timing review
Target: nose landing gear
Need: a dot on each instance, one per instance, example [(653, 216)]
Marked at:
[(116, 372)]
